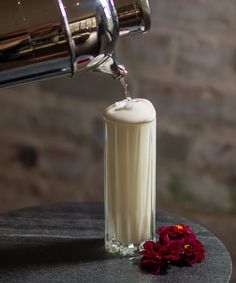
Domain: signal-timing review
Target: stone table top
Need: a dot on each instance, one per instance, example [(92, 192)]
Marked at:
[(65, 243)]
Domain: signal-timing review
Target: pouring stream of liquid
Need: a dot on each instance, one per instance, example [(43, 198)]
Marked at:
[(124, 83), (117, 70)]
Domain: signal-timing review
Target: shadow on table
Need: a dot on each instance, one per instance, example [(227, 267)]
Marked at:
[(48, 252)]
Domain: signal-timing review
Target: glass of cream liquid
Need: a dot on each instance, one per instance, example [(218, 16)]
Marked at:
[(130, 175)]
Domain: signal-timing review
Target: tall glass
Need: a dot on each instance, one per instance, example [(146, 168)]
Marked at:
[(130, 175)]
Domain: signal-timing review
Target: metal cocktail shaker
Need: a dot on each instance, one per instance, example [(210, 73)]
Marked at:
[(49, 38)]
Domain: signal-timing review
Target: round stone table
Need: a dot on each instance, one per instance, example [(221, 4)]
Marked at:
[(63, 243)]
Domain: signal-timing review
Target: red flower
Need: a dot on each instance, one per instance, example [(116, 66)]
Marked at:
[(177, 244), (174, 250), (156, 256), (152, 260), (194, 252), (175, 232)]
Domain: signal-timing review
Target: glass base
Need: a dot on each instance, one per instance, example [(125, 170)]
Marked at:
[(114, 247)]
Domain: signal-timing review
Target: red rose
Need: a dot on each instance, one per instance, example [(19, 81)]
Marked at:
[(152, 260), (177, 244), (173, 251), (152, 265), (156, 256), (175, 232), (194, 252)]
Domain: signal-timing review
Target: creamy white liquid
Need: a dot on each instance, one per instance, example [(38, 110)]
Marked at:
[(130, 171)]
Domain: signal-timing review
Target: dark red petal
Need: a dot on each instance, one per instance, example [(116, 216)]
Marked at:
[(151, 265)]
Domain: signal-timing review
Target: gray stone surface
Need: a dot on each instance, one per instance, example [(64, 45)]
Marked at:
[(64, 243)]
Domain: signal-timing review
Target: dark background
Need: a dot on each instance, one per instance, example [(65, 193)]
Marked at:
[(51, 139)]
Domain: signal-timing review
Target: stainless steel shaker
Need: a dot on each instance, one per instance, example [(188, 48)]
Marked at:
[(50, 38)]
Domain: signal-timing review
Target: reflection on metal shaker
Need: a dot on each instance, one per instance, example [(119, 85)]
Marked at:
[(50, 38)]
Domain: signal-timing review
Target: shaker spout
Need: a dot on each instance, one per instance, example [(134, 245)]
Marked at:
[(113, 67)]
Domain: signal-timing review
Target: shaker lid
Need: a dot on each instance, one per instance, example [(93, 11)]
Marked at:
[(130, 111)]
